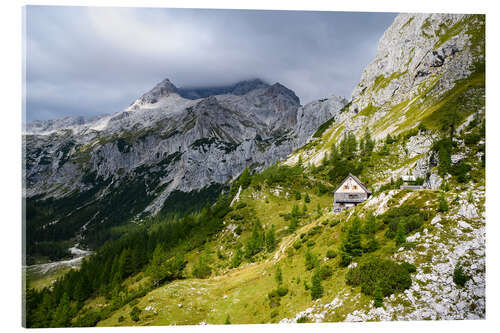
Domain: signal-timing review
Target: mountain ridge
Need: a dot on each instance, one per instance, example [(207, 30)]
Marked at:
[(164, 143)]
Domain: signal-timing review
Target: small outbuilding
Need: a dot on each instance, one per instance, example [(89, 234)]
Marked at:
[(349, 193)]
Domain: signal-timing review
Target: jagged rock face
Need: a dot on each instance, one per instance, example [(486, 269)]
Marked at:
[(170, 142), (419, 57), (409, 51), (317, 112)]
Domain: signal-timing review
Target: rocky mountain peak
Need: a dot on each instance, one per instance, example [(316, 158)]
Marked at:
[(278, 89), (162, 89)]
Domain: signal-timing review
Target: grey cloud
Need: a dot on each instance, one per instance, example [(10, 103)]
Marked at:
[(90, 60)]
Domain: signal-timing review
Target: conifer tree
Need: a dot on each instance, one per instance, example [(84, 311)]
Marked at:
[(202, 268), (352, 242), (237, 257), (372, 244), (278, 276), (400, 234), (316, 287), (255, 243), (318, 210), (295, 211), (311, 260), (371, 225), (271, 239), (156, 268), (443, 204), (293, 224), (125, 264), (62, 315)]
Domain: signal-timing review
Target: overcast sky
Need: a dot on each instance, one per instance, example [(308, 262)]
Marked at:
[(89, 60)]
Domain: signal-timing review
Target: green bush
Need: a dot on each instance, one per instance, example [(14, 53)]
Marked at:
[(310, 243), (372, 271), (241, 205), (345, 259), (460, 171), (311, 260), (330, 254), (297, 195), (409, 267), (472, 139), (372, 244), (297, 245), (307, 199), (459, 276), (274, 299), (443, 204), (238, 230), (302, 320), (325, 272), (282, 291), (202, 269), (316, 288), (134, 314), (237, 217), (316, 229), (334, 223)]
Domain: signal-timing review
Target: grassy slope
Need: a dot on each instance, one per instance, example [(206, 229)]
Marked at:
[(241, 293)]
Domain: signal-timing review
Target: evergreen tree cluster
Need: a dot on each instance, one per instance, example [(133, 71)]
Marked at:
[(348, 156), (260, 240), (155, 249)]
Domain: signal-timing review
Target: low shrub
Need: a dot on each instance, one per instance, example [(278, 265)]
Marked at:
[(238, 230), (330, 254), (237, 217), (325, 272), (334, 223), (316, 229), (134, 314), (443, 205), (282, 291), (391, 276), (345, 259), (409, 267), (459, 276), (311, 260), (241, 205)]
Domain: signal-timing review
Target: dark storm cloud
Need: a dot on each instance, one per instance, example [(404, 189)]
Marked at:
[(88, 61)]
